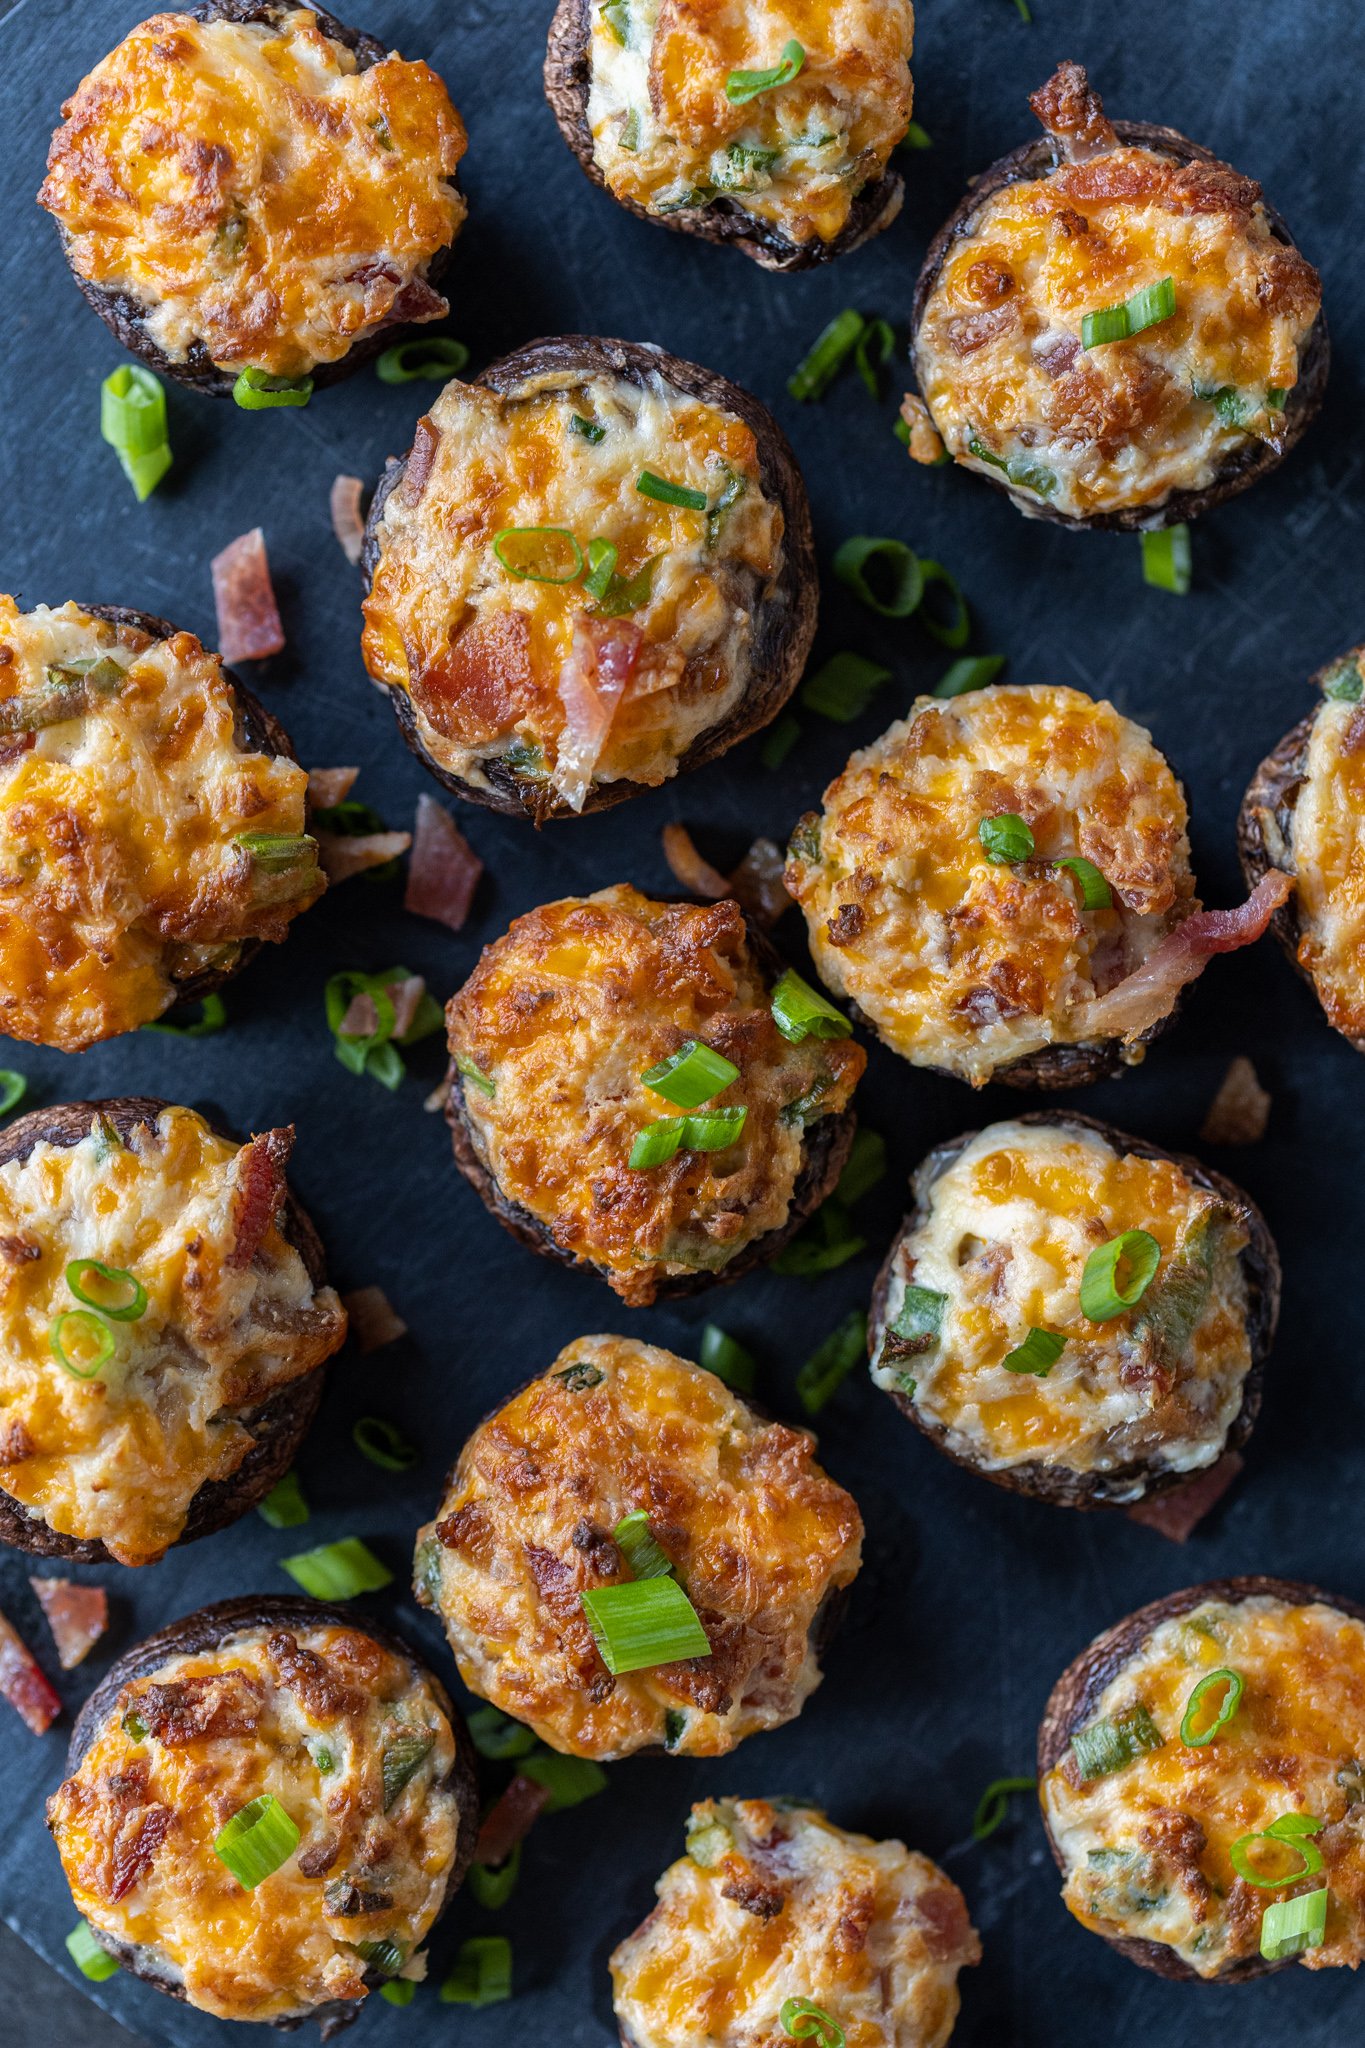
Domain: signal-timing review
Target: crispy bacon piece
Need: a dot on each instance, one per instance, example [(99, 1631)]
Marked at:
[(948, 1932), (1143, 999), (259, 1192), (15, 745), (347, 524), (15, 1443), (1072, 112), (757, 883), (76, 1615), (444, 870), (425, 441), (764, 1901), (23, 1684), (374, 1320), (480, 683), (696, 875), (1177, 1514), (362, 1015), (330, 786), (194, 1709), (310, 1679), (139, 1837), (602, 660), (248, 619), (344, 854), (510, 1820), (1240, 1111)]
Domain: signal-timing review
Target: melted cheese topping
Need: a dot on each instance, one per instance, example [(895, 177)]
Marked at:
[(1145, 1850), (665, 135), (959, 963), (1008, 1226), (567, 1012), (494, 662), (306, 1715), (786, 1905), (998, 350), (259, 195), (1329, 863), (122, 868), (758, 1535), (231, 1318)]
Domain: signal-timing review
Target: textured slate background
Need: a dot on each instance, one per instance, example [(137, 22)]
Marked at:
[(971, 1600)]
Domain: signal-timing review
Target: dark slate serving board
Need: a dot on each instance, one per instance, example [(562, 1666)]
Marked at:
[(971, 1600)]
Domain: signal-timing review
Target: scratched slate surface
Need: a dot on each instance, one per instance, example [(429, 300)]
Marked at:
[(971, 1600)]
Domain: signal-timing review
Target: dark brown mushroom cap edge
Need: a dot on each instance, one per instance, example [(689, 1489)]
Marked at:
[(1072, 1702), (1064, 1488), (784, 620), (1037, 159), (1272, 794), (568, 81), (279, 1426), (124, 315), (209, 1629)]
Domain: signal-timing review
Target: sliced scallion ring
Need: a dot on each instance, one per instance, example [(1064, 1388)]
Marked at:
[(493, 1884), (1289, 1926), (691, 1075), (779, 741), (1292, 1831), (81, 1343), (256, 1841), (1167, 561), (402, 1990), (284, 1507), (1037, 1354), (481, 1973), (800, 1011), (830, 1364), (587, 430), (1344, 682), (1006, 839), (1196, 1728), (474, 1073), (919, 1320), (212, 1017), (665, 493), (1103, 1295), (496, 1736), (865, 1166), (704, 1131), (1146, 308), (974, 672), (640, 1547), (1113, 1742), (844, 687), (742, 86), (133, 422), (728, 1359), (258, 391), (539, 554), (994, 1803), (91, 1958), (802, 2020), (916, 137), (1095, 891), (13, 1089), (952, 632), (382, 1444), (118, 1295), (569, 1780), (873, 351), (644, 1623), (602, 558), (433, 356), (826, 356), (338, 1571), (899, 583)]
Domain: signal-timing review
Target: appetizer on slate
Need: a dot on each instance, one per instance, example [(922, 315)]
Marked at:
[(253, 197), (1202, 1785), (1074, 1313), (770, 127), (152, 823), (1002, 884), (1114, 327), (267, 1807), (1305, 813), (628, 1558), (639, 1087), (163, 1316), (592, 569), (777, 1925)]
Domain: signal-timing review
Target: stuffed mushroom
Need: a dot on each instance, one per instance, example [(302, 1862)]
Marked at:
[(769, 127), (1001, 883), (593, 568), (1202, 1777), (152, 823), (267, 1807), (638, 1087), (1113, 327), (249, 189), (778, 1925), (163, 1319), (627, 1557), (1305, 813), (1074, 1313)]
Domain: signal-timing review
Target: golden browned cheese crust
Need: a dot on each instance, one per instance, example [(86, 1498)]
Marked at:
[(773, 1902), (1146, 1849), (758, 1536), (129, 812), (307, 1716), (962, 963), (230, 1319), (255, 190), (1328, 852), (563, 1016)]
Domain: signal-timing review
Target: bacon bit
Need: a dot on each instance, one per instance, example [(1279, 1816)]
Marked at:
[(15, 1443), (422, 454), (328, 787), (248, 619), (23, 1684), (971, 331), (311, 1680), (187, 1710), (1069, 109), (345, 854), (926, 443), (764, 1901), (949, 1935), (592, 682), (374, 1321), (258, 1193), (139, 1838), (1058, 354), (362, 1016), (15, 745), (510, 1821), (444, 870), (696, 875), (757, 883), (76, 1615), (347, 524), (1135, 1005), (1240, 1111), (1178, 1513)]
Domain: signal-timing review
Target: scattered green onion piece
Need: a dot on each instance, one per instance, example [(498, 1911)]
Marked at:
[(873, 351), (799, 1011), (1146, 308), (1289, 1926), (257, 391), (402, 1990), (844, 687), (13, 1089), (629, 139), (625, 595), (496, 1735), (742, 86), (402, 1760), (993, 1805), (1021, 8), (707, 1841), (493, 1884), (1167, 561), (1020, 469), (383, 1956), (1006, 839), (727, 1358), (691, 1075), (212, 1017), (324, 1759), (667, 1135), (664, 493), (616, 15), (1344, 683), (780, 740), (916, 137), (1095, 891), (955, 630), (675, 1726), (827, 1242), (481, 1973), (1275, 397), (90, 1957), (900, 578), (644, 1623), (830, 1365), (82, 1273), (134, 1727), (803, 2020), (1190, 1731), (865, 1166), (1291, 1831), (901, 430), (640, 1547), (284, 1507), (602, 557), (276, 852), (539, 554), (436, 356), (256, 1841), (133, 422), (1037, 1354), (1110, 1743), (732, 490), (569, 1780), (338, 1571), (975, 672), (1102, 1298), (826, 356), (78, 1325), (471, 1072), (587, 430), (919, 1320), (382, 1444), (907, 1384)]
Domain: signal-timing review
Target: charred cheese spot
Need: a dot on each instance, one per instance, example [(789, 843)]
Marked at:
[(263, 1713), (1329, 862), (666, 136), (532, 676), (232, 1318), (566, 1012), (125, 794), (759, 1537), (782, 1904), (262, 198), (1007, 1225), (1145, 1849), (966, 965)]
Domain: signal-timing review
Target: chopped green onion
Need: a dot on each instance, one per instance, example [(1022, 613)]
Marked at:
[(824, 1244), (640, 1547), (256, 1841), (1020, 469), (471, 1072), (626, 595), (713, 1131), (830, 1365), (1021, 8), (629, 139), (799, 1011), (1102, 1297), (865, 1166), (975, 672), (385, 1957), (780, 740), (81, 1343), (1275, 397), (707, 1841), (133, 422), (874, 349), (802, 2020), (1167, 560), (993, 1805), (402, 1990), (1195, 1731), (844, 687), (1291, 1831), (602, 558), (919, 1320), (481, 1973), (434, 356), (276, 852), (1343, 682), (576, 1379), (664, 493), (675, 1726), (257, 391), (402, 1760), (587, 430), (1095, 891), (284, 1507), (826, 356), (732, 490), (1146, 308), (742, 86), (691, 1075), (616, 15), (899, 576), (133, 1726), (1006, 839), (954, 631), (916, 137), (324, 1759), (91, 1958), (1289, 1926), (494, 1883), (382, 1444), (338, 1571), (644, 1623), (84, 1274), (1037, 1354), (496, 1736), (212, 1017), (727, 1358), (13, 1089), (569, 1780), (901, 430), (1108, 1744), (539, 554)]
